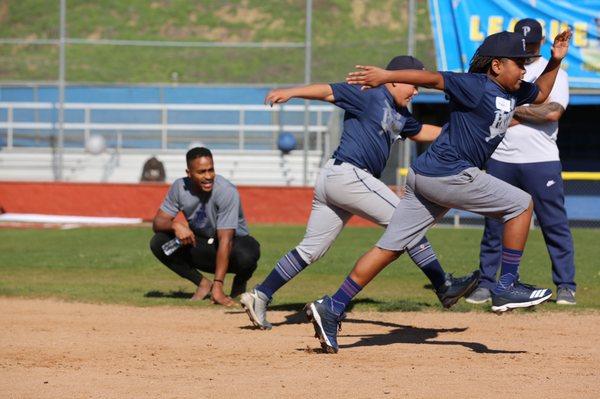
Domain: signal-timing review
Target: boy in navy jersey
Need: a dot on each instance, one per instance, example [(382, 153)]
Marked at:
[(448, 175), (348, 184), (528, 158)]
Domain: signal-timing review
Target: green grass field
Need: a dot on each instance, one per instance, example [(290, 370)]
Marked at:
[(114, 265), (344, 33)]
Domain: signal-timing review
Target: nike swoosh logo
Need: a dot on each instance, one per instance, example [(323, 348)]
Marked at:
[(550, 183)]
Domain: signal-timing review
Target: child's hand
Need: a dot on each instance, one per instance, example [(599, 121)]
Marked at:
[(560, 47), (277, 96), (367, 76)]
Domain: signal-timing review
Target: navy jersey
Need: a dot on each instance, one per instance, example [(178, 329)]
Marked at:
[(372, 123), (480, 112)]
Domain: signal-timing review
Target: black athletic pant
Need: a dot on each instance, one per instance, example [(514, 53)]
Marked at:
[(188, 260)]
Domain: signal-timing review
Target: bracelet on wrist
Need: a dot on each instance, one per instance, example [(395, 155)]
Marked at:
[(218, 281)]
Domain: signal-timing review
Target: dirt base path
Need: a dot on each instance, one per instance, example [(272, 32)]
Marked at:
[(52, 349)]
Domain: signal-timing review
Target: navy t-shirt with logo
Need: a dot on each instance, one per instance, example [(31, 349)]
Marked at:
[(480, 112), (372, 123)]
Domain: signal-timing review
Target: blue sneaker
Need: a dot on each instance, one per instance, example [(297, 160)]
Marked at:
[(326, 323), (518, 295)]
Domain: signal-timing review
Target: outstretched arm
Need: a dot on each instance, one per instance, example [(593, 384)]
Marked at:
[(370, 76), (547, 78), (427, 133), (321, 92)]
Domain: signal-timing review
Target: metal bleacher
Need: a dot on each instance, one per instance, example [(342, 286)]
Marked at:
[(268, 168), (243, 139)]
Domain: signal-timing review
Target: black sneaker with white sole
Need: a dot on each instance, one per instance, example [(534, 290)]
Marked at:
[(519, 295), (456, 287)]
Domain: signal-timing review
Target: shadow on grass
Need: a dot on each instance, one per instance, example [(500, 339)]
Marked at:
[(404, 334), (170, 294)]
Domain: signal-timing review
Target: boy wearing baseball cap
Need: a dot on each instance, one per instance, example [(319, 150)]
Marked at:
[(448, 175), (528, 158)]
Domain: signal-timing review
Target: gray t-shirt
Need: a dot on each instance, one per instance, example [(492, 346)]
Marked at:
[(207, 212)]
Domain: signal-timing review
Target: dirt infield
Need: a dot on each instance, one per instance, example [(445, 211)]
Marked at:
[(52, 349)]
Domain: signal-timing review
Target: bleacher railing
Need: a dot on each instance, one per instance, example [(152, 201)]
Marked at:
[(164, 126)]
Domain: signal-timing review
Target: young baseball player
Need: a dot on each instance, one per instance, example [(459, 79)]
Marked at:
[(448, 175), (348, 184), (528, 158)]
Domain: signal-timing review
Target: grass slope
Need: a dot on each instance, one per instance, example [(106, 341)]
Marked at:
[(344, 33), (114, 265)]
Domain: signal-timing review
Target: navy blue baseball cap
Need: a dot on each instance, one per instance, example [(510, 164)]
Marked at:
[(531, 29), (504, 45), (404, 62)]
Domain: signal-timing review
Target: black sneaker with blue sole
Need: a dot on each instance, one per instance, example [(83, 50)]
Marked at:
[(325, 322), (519, 295)]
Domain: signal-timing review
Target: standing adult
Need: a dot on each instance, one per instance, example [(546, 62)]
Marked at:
[(215, 238), (528, 158)]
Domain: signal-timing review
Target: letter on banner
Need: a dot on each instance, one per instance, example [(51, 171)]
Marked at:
[(475, 33), (512, 23), (555, 28), (543, 23), (495, 24), (580, 34)]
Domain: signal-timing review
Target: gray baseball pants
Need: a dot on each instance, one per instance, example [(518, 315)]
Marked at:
[(340, 192), (427, 199)]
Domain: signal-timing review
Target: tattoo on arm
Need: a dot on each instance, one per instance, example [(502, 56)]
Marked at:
[(541, 113)]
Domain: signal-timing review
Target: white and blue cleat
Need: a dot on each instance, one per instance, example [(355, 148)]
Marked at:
[(326, 323), (519, 295)]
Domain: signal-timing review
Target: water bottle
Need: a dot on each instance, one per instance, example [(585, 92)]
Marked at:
[(171, 246)]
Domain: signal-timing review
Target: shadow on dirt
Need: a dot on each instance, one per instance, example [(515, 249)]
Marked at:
[(299, 317), (405, 334)]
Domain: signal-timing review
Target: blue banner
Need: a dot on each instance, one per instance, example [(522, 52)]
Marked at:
[(459, 27)]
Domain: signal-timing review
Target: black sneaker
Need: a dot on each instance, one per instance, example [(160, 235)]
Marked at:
[(519, 295), (456, 287)]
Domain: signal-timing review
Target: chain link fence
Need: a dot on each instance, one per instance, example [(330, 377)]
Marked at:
[(222, 42), (174, 44)]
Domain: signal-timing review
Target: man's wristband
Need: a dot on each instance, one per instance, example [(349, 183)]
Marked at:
[(218, 281)]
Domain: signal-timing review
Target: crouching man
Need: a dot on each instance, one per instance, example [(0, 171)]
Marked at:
[(215, 238)]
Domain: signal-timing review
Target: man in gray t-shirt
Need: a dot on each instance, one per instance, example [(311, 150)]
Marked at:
[(215, 238)]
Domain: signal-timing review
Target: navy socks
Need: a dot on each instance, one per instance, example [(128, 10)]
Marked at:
[(286, 269), (424, 257), (348, 290), (509, 272)]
